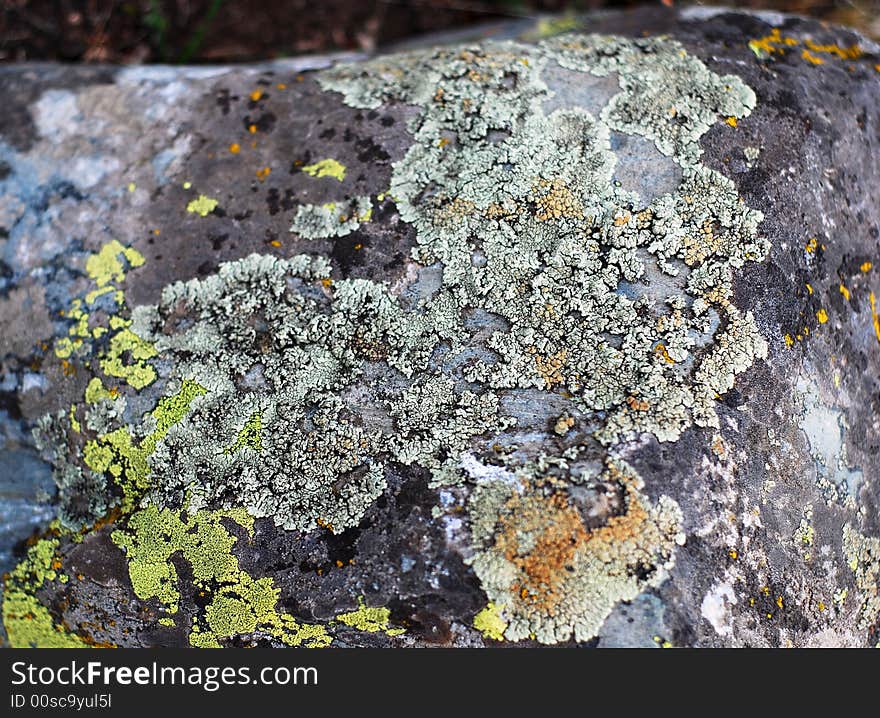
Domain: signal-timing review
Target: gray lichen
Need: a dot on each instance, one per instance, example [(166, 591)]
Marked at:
[(522, 210)]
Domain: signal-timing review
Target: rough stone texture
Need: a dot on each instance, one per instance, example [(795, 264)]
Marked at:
[(761, 530)]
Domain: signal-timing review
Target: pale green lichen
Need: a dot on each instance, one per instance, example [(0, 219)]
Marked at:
[(268, 338), (202, 205), (334, 219), (326, 168), (522, 210)]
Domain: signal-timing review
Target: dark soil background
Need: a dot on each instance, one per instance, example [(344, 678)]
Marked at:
[(177, 31)]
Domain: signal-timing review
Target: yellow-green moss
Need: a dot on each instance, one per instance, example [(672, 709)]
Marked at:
[(126, 461), (138, 374)]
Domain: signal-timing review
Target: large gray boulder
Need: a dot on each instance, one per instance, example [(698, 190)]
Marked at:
[(555, 335)]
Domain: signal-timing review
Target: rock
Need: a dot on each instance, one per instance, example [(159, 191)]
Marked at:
[(548, 338)]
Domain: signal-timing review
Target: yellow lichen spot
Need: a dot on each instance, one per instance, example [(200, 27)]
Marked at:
[(809, 288), (779, 602), (187, 185), (731, 121), (326, 168), (263, 173), (811, 245), (252, 129), (845, 292), (490, 623), (132, 186), (822, 316), (137, 373), (789, 342), (280, 86), (811, 58), (865, 267), (326, 282), (202, 206), (370, 620), (275, 243), (358, 246), (256, 95), (733, 553), (105, 266), (821, 606), (235, 148)]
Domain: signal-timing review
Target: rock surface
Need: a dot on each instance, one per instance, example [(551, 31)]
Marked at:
[(545, 337)]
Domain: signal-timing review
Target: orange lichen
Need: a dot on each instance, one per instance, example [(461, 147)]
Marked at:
[(256, 95), (252, 129), (263, 173), (811, 245), (853, 52), (542, 568), (865, 267), (731, 121), (235, 148), (811, 58)]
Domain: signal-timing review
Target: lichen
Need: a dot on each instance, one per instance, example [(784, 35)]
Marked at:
[(550, 277), (370, 619), (863, 556), (27, 621), (552, 576), (237, 603), (491, 176), (490, 622), (202, 205), (333, 219), (326, 168)]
